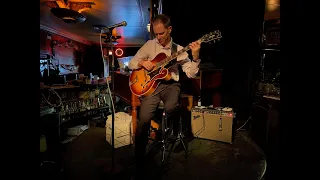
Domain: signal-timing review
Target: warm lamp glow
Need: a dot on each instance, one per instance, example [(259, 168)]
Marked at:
[(148, 27), (80, 10), (76, 6), (61, 4), (272, 5)]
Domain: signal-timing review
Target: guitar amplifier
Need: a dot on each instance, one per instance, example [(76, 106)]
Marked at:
[(213, 124)]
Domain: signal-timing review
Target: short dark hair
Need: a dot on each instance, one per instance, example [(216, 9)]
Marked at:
[(162, 18)]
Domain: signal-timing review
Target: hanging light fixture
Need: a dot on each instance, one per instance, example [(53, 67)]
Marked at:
[(69, 12)]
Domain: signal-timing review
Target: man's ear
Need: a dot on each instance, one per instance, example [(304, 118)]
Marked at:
[(170, 29)]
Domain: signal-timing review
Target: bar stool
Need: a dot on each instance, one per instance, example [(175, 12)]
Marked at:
[(165, 132)]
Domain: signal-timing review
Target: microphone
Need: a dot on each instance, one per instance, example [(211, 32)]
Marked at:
[(123, 23)]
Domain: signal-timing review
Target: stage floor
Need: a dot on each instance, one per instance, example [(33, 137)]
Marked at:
[(89, 157)]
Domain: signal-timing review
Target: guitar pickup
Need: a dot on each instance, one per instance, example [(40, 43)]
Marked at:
[(134, 81)]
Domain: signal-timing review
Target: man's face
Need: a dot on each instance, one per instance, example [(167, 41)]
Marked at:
[(162, 33)]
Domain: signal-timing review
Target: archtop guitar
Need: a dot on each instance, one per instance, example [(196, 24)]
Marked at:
[(143, 82)]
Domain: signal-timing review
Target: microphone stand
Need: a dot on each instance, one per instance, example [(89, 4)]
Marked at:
[(113, 98), (113, 169), (109, 35)]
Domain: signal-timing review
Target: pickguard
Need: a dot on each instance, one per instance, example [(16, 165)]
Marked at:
[(153, 74)]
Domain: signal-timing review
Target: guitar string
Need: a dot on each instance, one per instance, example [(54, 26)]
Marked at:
[(168, 59)]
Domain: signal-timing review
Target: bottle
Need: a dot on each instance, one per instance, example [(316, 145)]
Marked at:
[(199, 101)]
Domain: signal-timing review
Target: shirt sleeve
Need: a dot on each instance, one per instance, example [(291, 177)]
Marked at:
[(142, 54), (191, 68)]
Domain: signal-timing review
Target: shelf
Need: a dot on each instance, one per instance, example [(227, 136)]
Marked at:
[(87, 113), (58, 87), (67, 86)]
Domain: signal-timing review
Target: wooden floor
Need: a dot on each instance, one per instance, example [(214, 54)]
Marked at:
[(89, 157)]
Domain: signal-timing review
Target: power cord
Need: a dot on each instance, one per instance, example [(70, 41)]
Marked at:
[(240, 128), (196, 134), (254, 104)]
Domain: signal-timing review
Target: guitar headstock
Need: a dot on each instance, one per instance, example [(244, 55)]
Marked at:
[(212, 36)]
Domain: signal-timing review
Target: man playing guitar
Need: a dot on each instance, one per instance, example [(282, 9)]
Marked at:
[(167, 91)]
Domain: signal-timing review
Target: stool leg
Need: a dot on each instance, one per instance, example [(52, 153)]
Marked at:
[(163, 152), (180, 136), (164, 134), (184, 146)]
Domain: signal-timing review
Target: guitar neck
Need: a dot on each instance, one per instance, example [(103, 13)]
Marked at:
[(175, 55), (212, 36)]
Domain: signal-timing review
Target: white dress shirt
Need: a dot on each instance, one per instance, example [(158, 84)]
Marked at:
[(152, 48)]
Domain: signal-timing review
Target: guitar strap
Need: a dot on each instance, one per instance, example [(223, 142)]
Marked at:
[(174, 49)]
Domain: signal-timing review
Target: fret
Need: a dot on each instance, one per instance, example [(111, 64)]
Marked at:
[(206, 38), (174, 55)]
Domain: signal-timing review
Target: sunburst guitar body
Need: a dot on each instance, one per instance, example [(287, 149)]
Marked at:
[(143, 82)]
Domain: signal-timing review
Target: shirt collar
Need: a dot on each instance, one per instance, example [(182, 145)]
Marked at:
[(168, 46)]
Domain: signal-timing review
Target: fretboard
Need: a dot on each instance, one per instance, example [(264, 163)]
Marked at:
[(173, 56)]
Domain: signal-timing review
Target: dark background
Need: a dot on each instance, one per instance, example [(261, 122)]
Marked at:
[(238, 53)]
